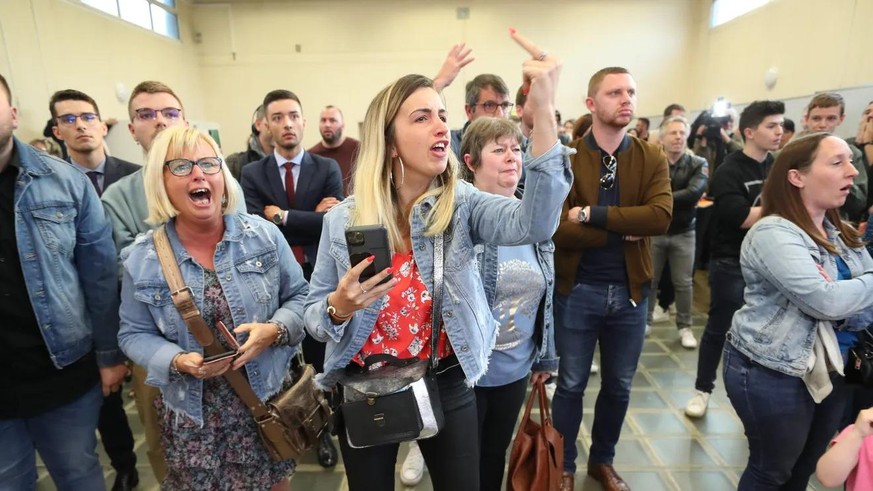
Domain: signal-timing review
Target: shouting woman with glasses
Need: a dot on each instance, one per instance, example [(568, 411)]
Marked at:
[(241, 273), (406, 180)]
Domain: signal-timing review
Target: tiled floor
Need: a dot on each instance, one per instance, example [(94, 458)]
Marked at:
[(660, 449)]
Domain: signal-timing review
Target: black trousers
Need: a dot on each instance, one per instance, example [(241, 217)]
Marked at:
[(498, 409), (452, 457), (115, 433)]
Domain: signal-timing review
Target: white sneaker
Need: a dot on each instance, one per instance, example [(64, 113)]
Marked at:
[(672, 308), (687, 338), (660, 315), (648, 330), (594, 366), (413, 467), (696, 407)]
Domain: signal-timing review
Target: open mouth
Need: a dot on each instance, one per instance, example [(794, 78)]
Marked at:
[(200, 196), (439, 148)]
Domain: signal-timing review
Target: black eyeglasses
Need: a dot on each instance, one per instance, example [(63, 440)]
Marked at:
[(184, 167), (608, 180), (149, 114), (70, 119), (491, 106)]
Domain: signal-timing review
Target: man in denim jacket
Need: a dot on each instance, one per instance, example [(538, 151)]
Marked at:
[(59, 303)]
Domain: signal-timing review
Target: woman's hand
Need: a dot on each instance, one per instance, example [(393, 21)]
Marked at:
[(539, 377), (192, 364), (352, 295), (260, 336), (540, 81)]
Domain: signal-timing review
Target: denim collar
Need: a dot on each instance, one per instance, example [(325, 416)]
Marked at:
[(234, 229), (31, 162)]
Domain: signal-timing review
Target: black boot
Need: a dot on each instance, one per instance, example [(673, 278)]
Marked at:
[(125, 480), (327, 455)]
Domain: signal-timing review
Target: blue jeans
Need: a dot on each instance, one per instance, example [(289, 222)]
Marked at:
[(786, 429), (726, 287), (65, 438), (592, 314)]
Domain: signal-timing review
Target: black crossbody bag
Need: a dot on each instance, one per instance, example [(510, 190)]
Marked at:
[(399, 401)]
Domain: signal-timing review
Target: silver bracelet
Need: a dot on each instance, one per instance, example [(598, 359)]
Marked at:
[(282, 338)]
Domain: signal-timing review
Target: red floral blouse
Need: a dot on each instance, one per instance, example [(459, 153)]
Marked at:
[(404, 325)]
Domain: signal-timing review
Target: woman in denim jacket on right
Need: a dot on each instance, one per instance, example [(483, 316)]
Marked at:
[(807, 274)]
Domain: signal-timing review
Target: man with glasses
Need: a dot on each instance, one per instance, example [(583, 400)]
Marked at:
[(78, 124), (620, 197), (153, 106), (59, 306), (486, 95)]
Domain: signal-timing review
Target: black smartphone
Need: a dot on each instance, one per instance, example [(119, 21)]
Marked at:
[(365, 241), (225, 332)]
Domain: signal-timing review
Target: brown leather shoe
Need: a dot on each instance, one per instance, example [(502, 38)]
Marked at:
[(567, 481), (605, 474)]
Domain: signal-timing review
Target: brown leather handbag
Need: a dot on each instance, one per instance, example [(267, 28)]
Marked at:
[(537, 457), (290, 423)]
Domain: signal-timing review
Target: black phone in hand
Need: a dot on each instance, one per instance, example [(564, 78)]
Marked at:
[(365, 241)]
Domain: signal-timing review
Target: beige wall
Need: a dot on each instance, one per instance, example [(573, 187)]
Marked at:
[(814, 44), (60, 44), (351, 49)]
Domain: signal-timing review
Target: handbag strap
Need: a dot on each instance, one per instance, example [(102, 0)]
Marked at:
[(183, 299), (436, 296)]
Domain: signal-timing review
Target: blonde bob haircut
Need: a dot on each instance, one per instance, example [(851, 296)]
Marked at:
[(170, 144), (376, 200)]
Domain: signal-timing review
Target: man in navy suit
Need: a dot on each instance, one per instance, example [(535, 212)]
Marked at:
[(78, 124), (294, 189), (295, 201)]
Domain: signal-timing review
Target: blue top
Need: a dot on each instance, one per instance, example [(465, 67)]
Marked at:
[(520, 288)]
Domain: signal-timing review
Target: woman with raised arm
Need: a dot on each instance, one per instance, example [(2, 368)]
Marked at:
[(406, 180)]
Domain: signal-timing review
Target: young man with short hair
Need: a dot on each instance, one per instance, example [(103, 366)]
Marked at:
[(79, 125), (735, 188), (335, 145), (603, 270)]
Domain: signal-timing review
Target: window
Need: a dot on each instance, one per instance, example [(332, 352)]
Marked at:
[(724, 11), (155, 15)]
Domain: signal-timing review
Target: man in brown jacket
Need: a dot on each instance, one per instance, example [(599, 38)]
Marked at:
[(620, 196)]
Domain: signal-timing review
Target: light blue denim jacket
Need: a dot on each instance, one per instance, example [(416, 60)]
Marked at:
[(785, 294), (67, 258), (544, 328), (260, 280), (479, 218)]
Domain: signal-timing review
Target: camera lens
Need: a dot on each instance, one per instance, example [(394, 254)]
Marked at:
[(356, 238)]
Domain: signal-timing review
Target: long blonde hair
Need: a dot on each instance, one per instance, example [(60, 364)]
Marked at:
[(376, 201)]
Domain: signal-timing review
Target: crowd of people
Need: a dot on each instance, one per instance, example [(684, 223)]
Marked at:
[(561, 239)]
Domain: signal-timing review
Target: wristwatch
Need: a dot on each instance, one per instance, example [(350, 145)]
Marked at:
[(277, 218), (582, 216)]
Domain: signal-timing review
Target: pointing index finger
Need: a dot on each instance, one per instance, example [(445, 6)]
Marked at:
[(525, 43)]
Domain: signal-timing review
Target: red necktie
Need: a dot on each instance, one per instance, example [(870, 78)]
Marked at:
[(289, 190)]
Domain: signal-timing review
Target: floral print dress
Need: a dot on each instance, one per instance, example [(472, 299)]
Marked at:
[(226, 453)]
